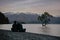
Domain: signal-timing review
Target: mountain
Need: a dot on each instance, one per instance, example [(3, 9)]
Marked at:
[(22, 17), (55, 20), (28, 18)]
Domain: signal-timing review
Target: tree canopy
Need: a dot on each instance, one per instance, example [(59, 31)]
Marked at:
[(3, 19), (45, 18)]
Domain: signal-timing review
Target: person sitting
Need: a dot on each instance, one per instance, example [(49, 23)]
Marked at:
[(17, 27), (20, 28), (14, 26)]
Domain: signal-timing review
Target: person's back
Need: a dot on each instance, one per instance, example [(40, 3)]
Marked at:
[(14, 26), (19, 27)]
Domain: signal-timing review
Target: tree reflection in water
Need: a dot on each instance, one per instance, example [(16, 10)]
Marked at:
[(45, 29)]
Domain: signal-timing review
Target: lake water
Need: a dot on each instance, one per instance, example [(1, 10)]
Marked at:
[(50, 29)]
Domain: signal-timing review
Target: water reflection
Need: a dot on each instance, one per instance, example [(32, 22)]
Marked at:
[(45, 29)]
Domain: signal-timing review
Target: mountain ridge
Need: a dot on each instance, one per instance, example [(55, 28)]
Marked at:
[(29, 18)]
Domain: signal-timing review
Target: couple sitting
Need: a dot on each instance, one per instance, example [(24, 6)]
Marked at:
[(17, 27)]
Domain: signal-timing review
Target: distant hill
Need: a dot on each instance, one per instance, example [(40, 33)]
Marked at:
[(55, 20), (28, 18), (22, 17)]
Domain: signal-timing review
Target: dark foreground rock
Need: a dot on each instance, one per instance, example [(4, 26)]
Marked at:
[(8, 35)]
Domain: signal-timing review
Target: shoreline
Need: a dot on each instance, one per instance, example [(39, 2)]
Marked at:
[(8, 35)]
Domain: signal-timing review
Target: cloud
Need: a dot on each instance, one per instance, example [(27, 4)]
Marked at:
[(30, 5), (5, 2), (34, 3), (29, 2)]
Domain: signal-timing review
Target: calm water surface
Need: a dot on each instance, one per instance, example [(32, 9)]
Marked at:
[(50, 29)]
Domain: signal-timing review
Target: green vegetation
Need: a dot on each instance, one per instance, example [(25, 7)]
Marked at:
[(45, 18)]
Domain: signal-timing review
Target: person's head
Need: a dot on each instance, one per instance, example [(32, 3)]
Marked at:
[(14, 22)]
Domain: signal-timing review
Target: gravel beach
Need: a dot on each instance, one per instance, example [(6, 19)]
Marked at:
[(8, 35)]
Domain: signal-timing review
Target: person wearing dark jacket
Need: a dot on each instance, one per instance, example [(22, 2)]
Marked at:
[(17, 27), (14, 27), (20, 28)]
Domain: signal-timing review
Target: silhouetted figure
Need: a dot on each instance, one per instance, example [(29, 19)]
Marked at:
[(14, 27), (20, 28), (17, 27)]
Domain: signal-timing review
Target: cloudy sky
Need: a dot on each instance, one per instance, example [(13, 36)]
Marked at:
[(35, 6)]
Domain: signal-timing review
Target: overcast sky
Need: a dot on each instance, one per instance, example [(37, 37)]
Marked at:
[(35, 6)]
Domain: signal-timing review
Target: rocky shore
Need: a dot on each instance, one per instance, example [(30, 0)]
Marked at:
[(8, 35)]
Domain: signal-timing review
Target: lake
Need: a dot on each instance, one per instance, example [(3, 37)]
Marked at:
[(50, 29)]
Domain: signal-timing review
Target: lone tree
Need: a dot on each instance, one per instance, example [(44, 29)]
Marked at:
[(45, 18), (3, 19)]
